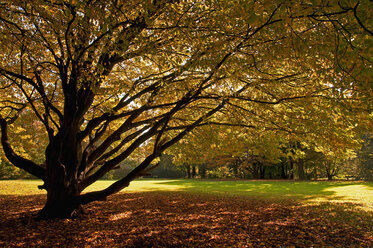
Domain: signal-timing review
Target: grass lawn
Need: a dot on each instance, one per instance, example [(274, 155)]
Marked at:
[(198, 213), (358, 193)]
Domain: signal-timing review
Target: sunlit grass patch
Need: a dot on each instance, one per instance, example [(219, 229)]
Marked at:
[(359, 193), (142, 185), (20, 187), (306, 191)]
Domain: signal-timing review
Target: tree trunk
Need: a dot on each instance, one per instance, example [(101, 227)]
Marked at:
[(235, 169), (194, 172), (61, 203), (62, 162), (291, 175), (62, 195), (189, 174), (283, 171), (256, 173), (202, 170), (314, 173), (262, 172), (330, 176), (301, 173)]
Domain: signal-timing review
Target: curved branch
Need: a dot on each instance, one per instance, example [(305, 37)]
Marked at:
[(360, 22), (69, 24), (124, 182), (14, 158)]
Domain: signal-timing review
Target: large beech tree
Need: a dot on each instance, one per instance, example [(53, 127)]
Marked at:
[(107, 78)]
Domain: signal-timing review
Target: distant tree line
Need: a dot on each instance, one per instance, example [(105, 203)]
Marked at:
[(310, 165), (314, 165)]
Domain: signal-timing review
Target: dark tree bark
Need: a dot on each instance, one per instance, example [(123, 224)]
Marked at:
[(62, 202), (188, 170), (256, 170), (291, 173), (262, 171), (284, 174), (194, 171), (301, 173), (202, 170), (330, 176)]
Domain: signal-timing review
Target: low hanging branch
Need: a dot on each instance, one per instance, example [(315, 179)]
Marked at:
[(107, 79), (123, 183), (15, 159)]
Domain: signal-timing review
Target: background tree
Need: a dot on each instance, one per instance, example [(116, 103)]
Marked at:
[(30, 138), (165, 168), (236, 152), (190, 154), (365, 158), (108, 78)]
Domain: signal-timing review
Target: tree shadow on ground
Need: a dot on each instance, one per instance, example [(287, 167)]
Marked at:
[(300, 190), (178, 219)]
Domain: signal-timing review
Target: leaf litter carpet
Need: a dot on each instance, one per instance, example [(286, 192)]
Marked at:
[(174, 219)]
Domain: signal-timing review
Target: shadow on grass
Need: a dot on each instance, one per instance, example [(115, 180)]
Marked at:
[(180, 219), (300, 190)]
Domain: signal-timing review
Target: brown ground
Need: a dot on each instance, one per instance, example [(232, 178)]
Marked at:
[(186, 220)]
